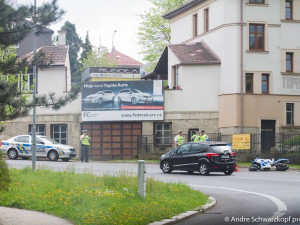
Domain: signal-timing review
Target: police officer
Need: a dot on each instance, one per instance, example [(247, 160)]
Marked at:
[(85, 144), (196, 136), (203, 136), (179, 139)]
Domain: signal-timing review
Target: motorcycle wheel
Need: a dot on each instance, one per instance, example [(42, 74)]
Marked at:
[(253, 167), (282, 168)]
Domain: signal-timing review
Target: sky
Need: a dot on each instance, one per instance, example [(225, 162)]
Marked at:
[(101, 18)]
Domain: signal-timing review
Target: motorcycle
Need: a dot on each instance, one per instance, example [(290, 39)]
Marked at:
[(267, 164)]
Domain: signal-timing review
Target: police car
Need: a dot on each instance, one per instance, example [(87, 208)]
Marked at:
[(21, 146)]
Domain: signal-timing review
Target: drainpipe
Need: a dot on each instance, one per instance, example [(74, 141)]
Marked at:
[(242, 68)]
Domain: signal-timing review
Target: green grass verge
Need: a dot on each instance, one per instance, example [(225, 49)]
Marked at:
[(89, 199)]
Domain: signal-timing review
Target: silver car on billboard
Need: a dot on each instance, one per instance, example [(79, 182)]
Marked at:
[(100, 97), (134, 96), (21, 146)]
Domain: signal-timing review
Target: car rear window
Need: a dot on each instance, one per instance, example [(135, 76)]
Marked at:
[(221, 148)]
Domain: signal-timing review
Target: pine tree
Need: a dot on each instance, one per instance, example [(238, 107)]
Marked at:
[(74, 42), (14, 102)]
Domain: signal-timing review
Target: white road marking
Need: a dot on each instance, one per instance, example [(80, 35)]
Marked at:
[(282, 208)]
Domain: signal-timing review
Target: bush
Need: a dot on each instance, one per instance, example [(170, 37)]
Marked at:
[(293, 141), (4, 175)]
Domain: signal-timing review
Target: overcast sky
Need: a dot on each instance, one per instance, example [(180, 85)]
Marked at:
[(101, 18)]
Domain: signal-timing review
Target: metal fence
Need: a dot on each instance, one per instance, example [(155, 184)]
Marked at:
[(260, 143)]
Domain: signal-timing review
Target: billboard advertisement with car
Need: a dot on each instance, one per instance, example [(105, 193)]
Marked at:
[(122, 101)]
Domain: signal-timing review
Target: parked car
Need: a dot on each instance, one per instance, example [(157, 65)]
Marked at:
[(100, 97), (204, 157), (21, 146), (134, 96)]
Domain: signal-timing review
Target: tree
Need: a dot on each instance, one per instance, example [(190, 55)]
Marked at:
[(74, 42), (86, 47), (97, 57), (14, 102), (154, 31)]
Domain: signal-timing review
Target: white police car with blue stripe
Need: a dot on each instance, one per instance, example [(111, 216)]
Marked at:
[(21, 146)]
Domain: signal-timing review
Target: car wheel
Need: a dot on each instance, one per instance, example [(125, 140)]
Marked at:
[(133, 101), (166, 167), (66, 159), (25, 158), (12, 154), (228, 172), (53, 156), (203, 169), (100, 101)]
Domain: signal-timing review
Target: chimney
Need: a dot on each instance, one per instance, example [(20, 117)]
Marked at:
[(62, 37)]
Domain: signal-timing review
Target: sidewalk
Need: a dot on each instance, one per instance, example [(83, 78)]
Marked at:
[(13, 216)]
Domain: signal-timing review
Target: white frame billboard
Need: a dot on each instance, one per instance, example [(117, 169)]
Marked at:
[(122, 101)]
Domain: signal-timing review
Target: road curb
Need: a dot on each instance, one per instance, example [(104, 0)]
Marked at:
[(186, 215)]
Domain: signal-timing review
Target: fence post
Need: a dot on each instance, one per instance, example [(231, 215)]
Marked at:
[(142, 178)]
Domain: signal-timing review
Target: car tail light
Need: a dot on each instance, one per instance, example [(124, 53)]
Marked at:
[(210, 155), (233, 154)]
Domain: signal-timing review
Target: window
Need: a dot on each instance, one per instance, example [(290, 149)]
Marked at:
[(175, 77), (289, 9), (289, 61), (265, 83), (59, 133), (256, 37), (40, 129), (249, 82), (163, 134), (289, 114), (198, 148), (24, 139), (185, 148), (195, 25), (206, 19), (256, 1)]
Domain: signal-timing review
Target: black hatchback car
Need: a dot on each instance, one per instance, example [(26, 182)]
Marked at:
[(204, 157)]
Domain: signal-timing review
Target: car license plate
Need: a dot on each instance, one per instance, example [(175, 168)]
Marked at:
[(225, 156)]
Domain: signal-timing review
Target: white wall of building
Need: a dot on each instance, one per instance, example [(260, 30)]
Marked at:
[(52, 79), (189, 98)]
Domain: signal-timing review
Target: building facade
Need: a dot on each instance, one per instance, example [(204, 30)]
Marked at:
[(254, 88)]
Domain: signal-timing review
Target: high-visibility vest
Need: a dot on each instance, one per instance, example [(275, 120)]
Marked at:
[(85, 140), (196, 138), (180, 140), (203, 137)]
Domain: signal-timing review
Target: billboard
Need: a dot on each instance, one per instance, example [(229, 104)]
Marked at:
[(122, 101)]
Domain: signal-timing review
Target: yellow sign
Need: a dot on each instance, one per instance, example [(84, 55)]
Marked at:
[(241, 141)]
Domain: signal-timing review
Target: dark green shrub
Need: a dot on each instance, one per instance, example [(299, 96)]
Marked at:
[(4, 175), (293, 141)]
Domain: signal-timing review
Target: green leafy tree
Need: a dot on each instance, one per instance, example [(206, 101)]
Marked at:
[(154, 31), (74, 42), (97, 57)]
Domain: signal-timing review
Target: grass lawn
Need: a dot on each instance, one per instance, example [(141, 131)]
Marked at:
[(89, 199)]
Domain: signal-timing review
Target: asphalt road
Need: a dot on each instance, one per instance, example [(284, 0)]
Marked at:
[(260, 197)]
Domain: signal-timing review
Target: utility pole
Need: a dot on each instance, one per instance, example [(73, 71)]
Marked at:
[(112, 46), (33, 139)]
